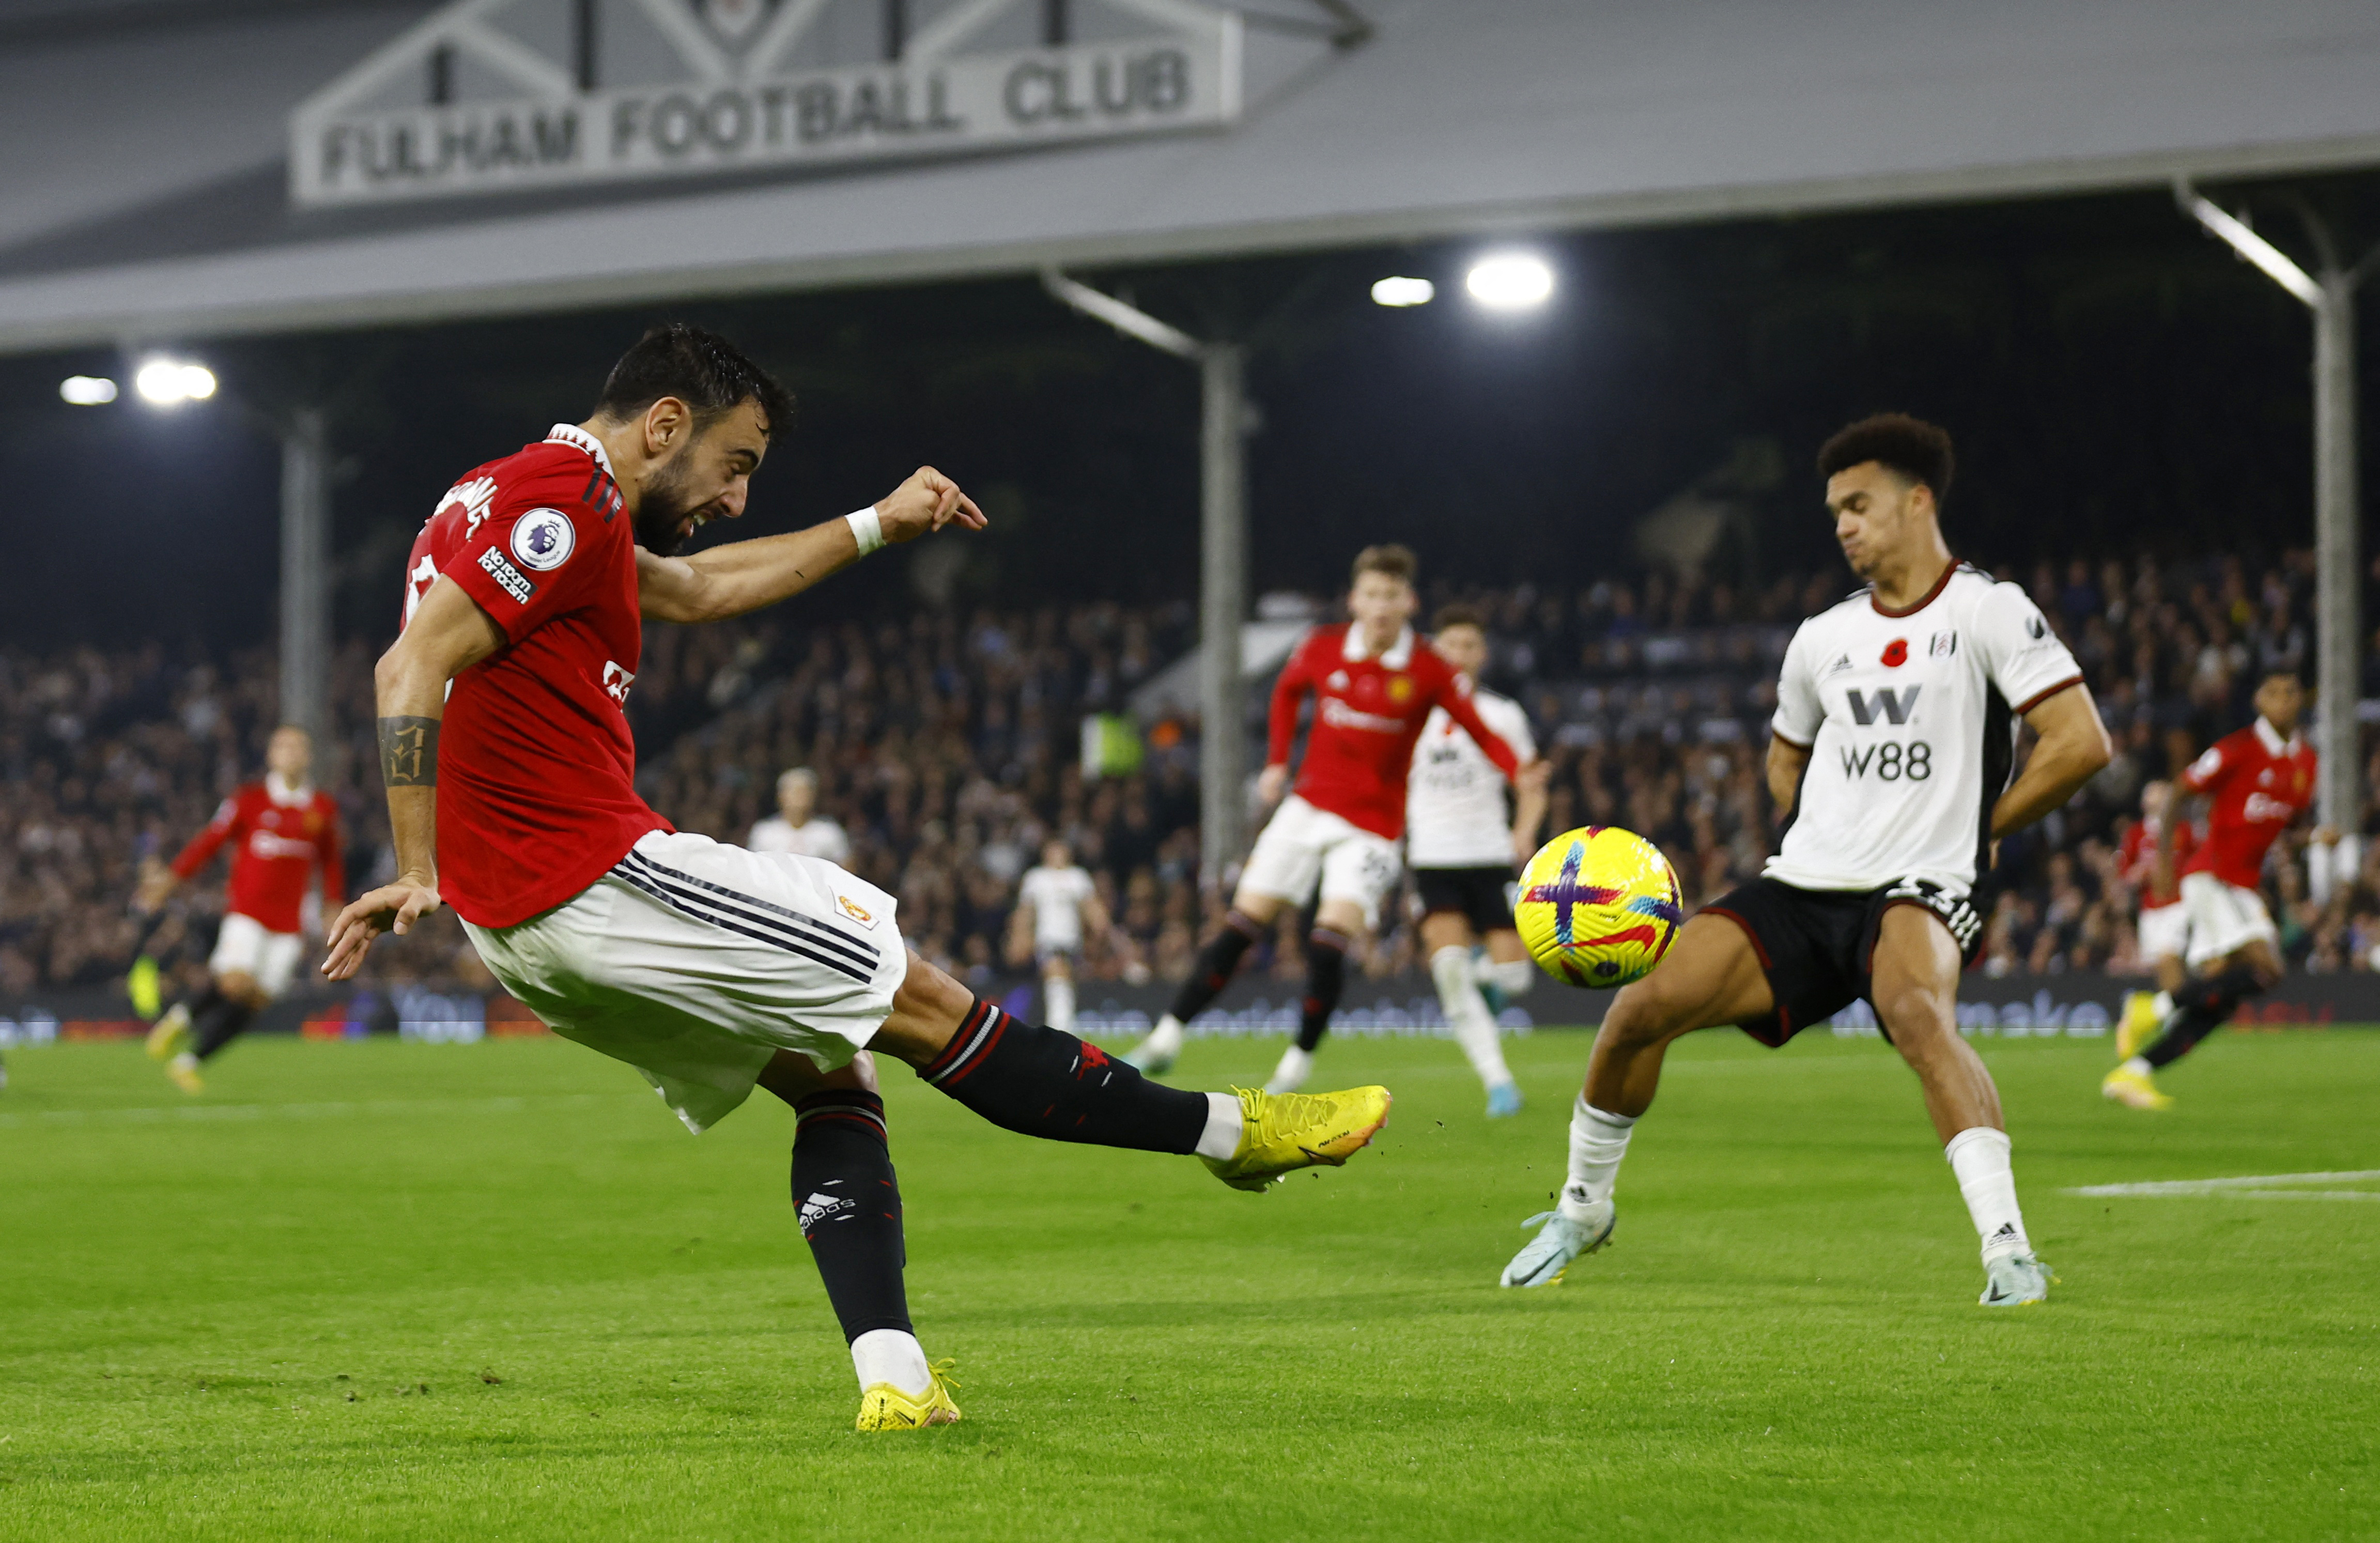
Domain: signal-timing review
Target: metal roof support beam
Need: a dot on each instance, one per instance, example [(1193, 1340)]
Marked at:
[(1222, 563)]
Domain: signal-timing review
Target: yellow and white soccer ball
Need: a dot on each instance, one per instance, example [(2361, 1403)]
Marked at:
[(1598, 906)]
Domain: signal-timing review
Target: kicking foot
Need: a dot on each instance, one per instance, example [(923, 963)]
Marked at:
[(1281, 1133), (183, 1070), (1545, 1257), (1296, 1067), (2133, 1090), (1503, 1100), (2015, 1281), (1155, 1055), (886, 1407), (171, 1033), (2139, 1025)]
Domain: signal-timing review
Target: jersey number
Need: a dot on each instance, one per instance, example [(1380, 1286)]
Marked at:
[(1891, 762)]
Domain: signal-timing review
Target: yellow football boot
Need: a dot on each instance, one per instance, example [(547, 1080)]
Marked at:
[(184, 1071), (170, 1035), (886, 1407), (2134, 1090), (2140, 1024), (1281, 1133)]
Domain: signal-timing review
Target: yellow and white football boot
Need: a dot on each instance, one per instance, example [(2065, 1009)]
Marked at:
[(1281, 1133), (2139, 1024), (886, 1407), (2134, 1090), (170, 1035)]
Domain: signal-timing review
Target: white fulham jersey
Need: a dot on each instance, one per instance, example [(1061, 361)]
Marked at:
[(1910, 718), (1455, 813), (1056, 895)]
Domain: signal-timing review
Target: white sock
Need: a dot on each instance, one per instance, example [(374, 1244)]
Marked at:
[(1166, 1036), (1222, 1136), (2163, 1004), (891, 1355), (1296, 1067), (1458, 992), (1512, 977), (1598, 1141), (1058, 1000), (1979, 1159), (2138, 1065)]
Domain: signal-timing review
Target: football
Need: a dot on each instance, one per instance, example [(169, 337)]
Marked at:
[(1598, 906)]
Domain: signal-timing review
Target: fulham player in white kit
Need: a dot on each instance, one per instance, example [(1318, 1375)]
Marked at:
[(1057, 906), (1890, 756), (1464, 846)]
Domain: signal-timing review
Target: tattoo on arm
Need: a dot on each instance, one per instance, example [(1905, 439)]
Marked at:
[(408, 752)]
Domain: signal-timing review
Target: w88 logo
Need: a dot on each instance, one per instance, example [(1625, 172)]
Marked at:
[(1890, 762)]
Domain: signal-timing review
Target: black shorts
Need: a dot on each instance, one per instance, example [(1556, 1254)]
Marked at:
[(1484, 895), (1817, 946)]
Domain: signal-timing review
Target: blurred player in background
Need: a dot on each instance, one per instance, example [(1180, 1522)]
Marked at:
[(711, 969), (1463, 846), (282, 833), (2150, 864), (797, 827), (2257, 781), (1373, 685), (1890, 758), (1057, 908)]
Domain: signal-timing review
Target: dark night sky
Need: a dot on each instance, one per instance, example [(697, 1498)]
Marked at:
[(2115, 379)]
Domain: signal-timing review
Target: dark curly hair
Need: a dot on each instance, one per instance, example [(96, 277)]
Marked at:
[(1916, 450)]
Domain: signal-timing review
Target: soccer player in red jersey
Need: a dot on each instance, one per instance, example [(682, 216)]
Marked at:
[(709, 969), (1374, 684), (2257, 780), (282, 831), (2148, 863)]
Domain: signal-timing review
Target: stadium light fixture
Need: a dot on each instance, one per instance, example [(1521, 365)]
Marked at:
[(87, 391), (164, 382), (2242, 239), (1509, 281), (1401, 292)]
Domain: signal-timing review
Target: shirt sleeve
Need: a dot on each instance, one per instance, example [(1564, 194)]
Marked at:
[(1281, 725), (530, 562), (2021, 655), (1450, 695), (1798, 712), (2206, 773), (1517, 735), (204, 846)]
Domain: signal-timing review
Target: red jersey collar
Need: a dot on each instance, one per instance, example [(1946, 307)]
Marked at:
[(1924, 601), (2270, 738), (1399, 655), (571, 433)]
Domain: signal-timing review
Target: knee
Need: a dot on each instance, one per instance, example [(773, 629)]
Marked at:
[(1644, 1012), (1922, 1022), (859, 1074)]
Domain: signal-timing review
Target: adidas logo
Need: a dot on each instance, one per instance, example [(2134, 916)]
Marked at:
[(820, 1208), (2007, 1233)]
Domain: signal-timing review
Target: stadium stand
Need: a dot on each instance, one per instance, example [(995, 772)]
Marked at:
[(947, 745)]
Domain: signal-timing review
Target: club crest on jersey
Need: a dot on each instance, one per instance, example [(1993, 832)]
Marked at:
[(855, 911), (542, 539), (1895, 653), (1399, 689), (1944, 644)]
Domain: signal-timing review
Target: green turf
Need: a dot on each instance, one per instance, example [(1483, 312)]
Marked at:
[(494, 1291)]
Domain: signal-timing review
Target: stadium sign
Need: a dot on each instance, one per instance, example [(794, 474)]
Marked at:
[(508, 95)]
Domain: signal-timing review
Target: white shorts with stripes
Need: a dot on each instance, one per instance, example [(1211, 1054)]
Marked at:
[(695, 962)]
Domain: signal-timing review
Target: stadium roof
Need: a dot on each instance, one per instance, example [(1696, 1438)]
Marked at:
[(159, 204)]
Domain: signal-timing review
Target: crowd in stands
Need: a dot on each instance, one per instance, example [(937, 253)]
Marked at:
[(947, 745)]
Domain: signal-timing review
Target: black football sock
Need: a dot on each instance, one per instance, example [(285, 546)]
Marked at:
[(1036, 1081), (849, 1208), (219, 1025), (199, 1006), (1326, 977), (1216, 962), (2200, 1008)]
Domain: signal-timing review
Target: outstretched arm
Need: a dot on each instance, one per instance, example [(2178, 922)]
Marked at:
[(448, 634), (1280, 727), (745, 576), (2074, 747)]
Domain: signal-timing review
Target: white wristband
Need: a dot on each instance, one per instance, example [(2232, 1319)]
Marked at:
[(867, 529)]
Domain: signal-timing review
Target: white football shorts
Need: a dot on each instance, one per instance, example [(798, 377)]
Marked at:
[(2223, 918), (244, 947), (695, 962), (1301, 844), (2165, 932)]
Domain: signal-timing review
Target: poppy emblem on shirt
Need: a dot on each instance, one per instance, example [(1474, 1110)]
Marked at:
[(1895, 653), (1399, 689), (544, 539)]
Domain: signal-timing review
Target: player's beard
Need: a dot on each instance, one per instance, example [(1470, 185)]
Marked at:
[(661, 512)]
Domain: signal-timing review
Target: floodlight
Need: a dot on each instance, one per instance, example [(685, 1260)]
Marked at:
[(169, 382), (1403, 292), (87, 391), (1513, 281)]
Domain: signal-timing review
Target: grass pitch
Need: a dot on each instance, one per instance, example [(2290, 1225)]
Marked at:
[(395, 1291)]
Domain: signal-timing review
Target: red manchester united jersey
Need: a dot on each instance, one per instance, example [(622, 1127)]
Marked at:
[(2139, 858), (537, 795), (1368, 711), (2259, 782), (281, 834)]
